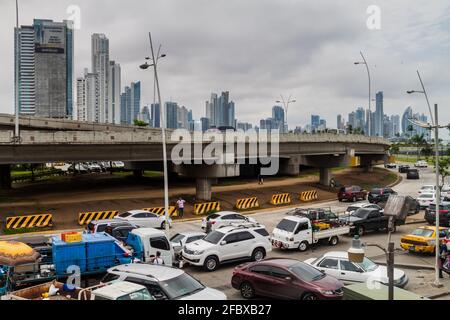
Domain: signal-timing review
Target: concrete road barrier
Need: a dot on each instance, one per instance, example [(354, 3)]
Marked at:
[(207, 207), (282, 198), (85, 217), (247, 203), (160, 211), (29, 222), (309, 195)]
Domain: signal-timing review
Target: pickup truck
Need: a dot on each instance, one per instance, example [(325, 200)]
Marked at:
[(296, 232), (93, 256), (115, 290), (367, 219)]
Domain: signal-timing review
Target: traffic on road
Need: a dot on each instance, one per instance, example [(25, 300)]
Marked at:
[(285, 253)]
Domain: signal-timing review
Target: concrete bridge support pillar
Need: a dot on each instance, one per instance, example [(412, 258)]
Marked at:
[(203, 190), (368, 168), (5, 177), (290, 166), (325, 176)]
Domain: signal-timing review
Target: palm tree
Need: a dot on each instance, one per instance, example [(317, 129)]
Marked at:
[(418, 141)]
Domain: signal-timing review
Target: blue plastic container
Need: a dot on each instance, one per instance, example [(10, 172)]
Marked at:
[(68, 254), (100, 251)]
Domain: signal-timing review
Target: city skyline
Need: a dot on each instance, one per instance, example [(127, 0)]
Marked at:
[(252, 85)]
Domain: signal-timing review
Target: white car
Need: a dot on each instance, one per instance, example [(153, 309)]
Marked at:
[(425, 199), (445, 191), (144, 219), (421, 164), (357, 206), (226, 218), (337, 265), (428, 188), (228, 244), (179, 240), (163, 282)]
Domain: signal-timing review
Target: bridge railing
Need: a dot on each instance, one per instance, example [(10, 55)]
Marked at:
[(106, 137)]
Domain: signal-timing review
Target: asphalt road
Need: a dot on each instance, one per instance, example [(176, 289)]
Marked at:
[(220, 279)]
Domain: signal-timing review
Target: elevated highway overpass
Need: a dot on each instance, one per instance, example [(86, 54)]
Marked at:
[(141, 148)]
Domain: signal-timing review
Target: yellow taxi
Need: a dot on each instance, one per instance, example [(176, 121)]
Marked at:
[(422, 239)]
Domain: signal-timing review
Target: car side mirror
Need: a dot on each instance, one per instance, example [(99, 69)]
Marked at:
[(222, 243)]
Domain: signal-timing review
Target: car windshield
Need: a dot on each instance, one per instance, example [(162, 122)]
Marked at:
[(214, 237), (212, 216), (125, 214), (427, 188), (306, 272), (287, 225), (177, 238), (181, 286), (368, 265), (420, 232), (351, 208), (360, 213), (426, 196), (376, 191), (137, 296)]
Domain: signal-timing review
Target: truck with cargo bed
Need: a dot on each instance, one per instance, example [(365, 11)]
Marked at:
[(298, 232), (115, 290)]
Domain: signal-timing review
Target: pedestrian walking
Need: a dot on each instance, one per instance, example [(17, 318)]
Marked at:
[(443, 260), (180, 204), (158, 260), (260, 179)]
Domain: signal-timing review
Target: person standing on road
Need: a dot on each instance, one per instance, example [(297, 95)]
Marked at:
[(180, 204), (443, 256)]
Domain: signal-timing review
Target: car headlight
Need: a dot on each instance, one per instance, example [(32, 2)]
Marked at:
[(327, 292), (351, 224), (197, 253)]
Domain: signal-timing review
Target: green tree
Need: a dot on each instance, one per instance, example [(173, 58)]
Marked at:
[(444, 172), (140, 123), (418, 141), (395, 149)]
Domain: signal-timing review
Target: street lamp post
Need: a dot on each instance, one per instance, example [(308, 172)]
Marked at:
[(16, 137), (436, 128), (370, 90), (163, 126), (286, 107), (434, 125)]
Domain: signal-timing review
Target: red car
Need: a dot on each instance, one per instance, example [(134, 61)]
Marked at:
[(285, 279), (352, 193)]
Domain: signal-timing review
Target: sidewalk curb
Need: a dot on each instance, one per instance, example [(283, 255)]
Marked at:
[(407, 265)]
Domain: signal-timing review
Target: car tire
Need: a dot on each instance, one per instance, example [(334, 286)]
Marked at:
[(258, 254), (303, 246), (247, 291), (360, 231), (211, 263), (163, 225), (309, 296), (333, 241)]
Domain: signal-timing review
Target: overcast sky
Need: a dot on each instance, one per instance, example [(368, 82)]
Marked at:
[(259, 49)]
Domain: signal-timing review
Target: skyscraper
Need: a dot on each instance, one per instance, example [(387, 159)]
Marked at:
[(278, 117), (405, 122), (156, 115), (315, 122), (171, 115), (44, 57), (100, 66), (220, 111), (379, 115), (130, 103), (81, 100), (114, 87), (395, 122)]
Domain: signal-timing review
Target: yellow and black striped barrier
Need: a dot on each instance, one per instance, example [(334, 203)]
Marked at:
[(204, 208), (86, 217), (309, 195), (247, 203), (160, 211), (282, 198), (28, 222)]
